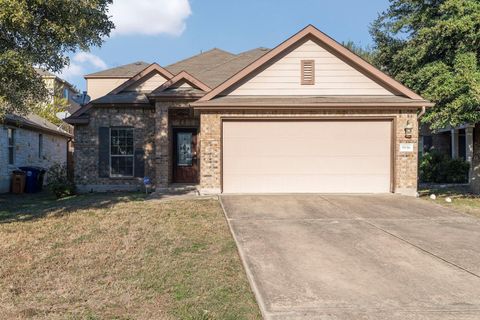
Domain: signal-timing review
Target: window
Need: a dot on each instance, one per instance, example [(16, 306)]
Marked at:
[(308, 72), (184, 149), (11, 145), (121, 152), (65, 93), (40, 145)]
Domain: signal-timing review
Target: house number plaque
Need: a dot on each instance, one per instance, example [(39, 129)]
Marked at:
[(406, 147)]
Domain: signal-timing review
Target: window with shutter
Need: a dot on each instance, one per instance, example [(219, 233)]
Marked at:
[(308, 72), (121, 152)]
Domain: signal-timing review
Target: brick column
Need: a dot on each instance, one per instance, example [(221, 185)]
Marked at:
[(210, 151), (162, 146)]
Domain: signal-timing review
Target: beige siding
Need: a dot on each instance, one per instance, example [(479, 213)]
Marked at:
[(97, 88), (148, 84), (332, 76)]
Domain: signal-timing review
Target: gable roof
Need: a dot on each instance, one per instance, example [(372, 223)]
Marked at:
[(125, 71), (310, 32), (153, 68), (179, 78)]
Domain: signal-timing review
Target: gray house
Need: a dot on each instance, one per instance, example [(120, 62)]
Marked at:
[(30, 141)]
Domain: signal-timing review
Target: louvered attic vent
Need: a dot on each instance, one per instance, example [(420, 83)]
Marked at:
[(308, 72)]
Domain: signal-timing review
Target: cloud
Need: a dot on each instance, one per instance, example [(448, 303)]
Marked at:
[(86, 57), (82, 63), (150, 17)]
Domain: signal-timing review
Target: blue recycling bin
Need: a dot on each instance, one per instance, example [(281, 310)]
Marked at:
[(33, 179)]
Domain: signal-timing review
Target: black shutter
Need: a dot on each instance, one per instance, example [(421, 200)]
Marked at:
[(104, 152), (139, 163)]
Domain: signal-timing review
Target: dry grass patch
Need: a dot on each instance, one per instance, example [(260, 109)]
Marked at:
[(119, 257), (462, 199)]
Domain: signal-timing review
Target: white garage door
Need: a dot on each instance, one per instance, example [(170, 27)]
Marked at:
[(306, 156)]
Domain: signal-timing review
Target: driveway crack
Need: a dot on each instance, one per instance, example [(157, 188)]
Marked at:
[(420, 248)]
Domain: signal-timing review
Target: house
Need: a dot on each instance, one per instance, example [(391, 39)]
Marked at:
[(35, 141), (29, 141), (462, 142), (306, 116), (61, 92)]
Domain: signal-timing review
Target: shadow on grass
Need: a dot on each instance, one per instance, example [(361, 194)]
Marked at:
[(27, 207), (455, 191)]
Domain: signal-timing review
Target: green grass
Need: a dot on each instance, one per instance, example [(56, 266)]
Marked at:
[(119, 256)]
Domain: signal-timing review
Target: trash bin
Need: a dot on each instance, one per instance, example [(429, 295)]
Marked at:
[(18, 181), (32, 181)]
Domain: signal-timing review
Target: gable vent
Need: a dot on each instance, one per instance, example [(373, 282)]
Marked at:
[(308, 72)]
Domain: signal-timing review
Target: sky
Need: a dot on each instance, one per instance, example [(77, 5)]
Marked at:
[(166, 31)]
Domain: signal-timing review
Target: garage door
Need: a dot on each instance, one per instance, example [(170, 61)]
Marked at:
[(306, 156)]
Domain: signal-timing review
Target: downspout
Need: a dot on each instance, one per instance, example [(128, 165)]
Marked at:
[(421, 113)]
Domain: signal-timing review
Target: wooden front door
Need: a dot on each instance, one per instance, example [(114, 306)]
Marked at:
[(185, 162)]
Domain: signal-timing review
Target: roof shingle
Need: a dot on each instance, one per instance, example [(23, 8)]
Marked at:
[(125, 71)]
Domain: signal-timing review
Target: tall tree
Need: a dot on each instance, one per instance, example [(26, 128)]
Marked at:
[(40, 33), (433, 46), (365, 53)]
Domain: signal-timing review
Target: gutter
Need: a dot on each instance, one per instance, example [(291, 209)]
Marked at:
[(421, 113)]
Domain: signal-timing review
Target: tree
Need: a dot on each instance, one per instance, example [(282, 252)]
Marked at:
[(433, 46), (40, 33), (365, 53)]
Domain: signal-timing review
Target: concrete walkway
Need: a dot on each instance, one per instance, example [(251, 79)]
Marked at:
[(357, 257)]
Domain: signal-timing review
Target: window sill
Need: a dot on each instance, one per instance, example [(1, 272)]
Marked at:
[(123, 178)]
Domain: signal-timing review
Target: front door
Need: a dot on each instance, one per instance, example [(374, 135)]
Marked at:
[(185, 164)]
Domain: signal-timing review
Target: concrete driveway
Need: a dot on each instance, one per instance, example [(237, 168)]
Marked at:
[(357, 257)]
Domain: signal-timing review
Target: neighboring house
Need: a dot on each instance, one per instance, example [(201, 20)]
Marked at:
[(462, 142), (34, 141), (59, 88), (306, 116), (29, 141)]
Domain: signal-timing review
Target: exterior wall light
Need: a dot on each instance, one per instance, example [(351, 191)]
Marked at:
[(408, 129)]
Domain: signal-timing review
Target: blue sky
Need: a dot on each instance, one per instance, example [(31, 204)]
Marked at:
[(165, 31)]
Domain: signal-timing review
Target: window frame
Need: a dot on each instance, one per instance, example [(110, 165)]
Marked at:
[(66, 93), (11, 146), (112, 175)]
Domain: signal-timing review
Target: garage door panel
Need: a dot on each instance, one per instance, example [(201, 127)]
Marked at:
[(325, 165), (244, 147), (306, 156), (306, 184)]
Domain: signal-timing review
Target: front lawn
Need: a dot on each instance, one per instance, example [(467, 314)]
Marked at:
[(462, 200), (119, 256)]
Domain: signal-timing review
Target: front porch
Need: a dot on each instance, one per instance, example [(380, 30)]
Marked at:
[(457, 143), (177, 150)]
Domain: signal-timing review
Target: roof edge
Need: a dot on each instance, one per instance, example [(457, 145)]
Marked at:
[(151, 68), (183, 75), (21, 123)]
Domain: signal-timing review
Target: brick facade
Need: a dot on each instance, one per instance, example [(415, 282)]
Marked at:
[(405, 164), (26, 153), (86, 154), (153, 131)]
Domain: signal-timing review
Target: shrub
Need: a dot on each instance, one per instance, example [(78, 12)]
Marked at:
[(58, 181), (435, 167)]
